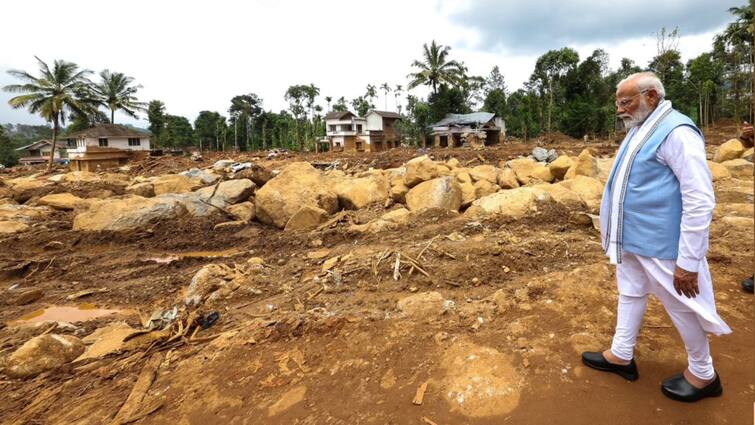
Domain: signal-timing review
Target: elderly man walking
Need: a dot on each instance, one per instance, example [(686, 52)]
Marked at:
[(654, 216)]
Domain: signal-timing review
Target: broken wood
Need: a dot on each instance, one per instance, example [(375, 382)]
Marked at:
[(396, 267), (428, 421), (419, 396), (135, 398), (419, 257)]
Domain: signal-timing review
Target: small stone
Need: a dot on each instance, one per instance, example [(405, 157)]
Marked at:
[(29, 296)]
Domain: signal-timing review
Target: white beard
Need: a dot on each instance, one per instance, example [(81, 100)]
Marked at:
[(643, 111)]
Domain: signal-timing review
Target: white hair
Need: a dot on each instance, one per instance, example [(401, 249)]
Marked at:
[(646, 81)]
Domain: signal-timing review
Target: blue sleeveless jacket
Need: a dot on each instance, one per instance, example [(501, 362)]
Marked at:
[(650, 213)]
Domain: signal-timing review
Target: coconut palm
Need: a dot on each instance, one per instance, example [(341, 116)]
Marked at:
[(116, 92), (385, 88), (397, 93), (55, 93), (435, 68)]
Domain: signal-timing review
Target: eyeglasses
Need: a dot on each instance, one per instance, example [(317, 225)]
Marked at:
[(623, 103)]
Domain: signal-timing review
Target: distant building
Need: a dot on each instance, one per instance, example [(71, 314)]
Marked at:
[(373, 133), (105, 146), (476, 129), (39, 152)]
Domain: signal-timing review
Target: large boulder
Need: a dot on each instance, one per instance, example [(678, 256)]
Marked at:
[(422, 169), (306, 218), (484, 172), (205, 176), (357, 193), (42, 353), (718, 171), (143, 189), (589, 189), (747, 155), (507, 179), (732, 149), (560, 166), (512, 203), (228, 192), (563, 196), (244, 211), (8, 227), (485, 188), (63, 201), (23, 213), (388, 221), (24, 188), (468, 193), (528, 171), (739, 168), (127, 213), (207, 282), (585, 165), (175, 183), (442, 192), (297, 185)]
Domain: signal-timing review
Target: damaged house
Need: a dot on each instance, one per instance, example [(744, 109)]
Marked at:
[(105, 146), (39, 152), (374, 132), (476, 130)]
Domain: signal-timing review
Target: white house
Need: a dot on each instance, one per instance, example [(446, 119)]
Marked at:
[(348, 132), (105, 146), (476, 129), (39, 152)]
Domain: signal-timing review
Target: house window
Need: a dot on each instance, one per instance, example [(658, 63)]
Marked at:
[(71, 143), (134, 141), (359, 146), (103, 142), (359, 128), (332, 128)]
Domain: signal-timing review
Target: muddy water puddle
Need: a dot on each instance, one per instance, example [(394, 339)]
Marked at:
[(169, 258), (70, 314)]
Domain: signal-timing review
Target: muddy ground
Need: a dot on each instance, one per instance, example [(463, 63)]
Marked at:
[(302, 346)]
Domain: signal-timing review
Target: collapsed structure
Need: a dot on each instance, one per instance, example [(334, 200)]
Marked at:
[(39, 152), (105, 146), (476, 130), (374, 132)]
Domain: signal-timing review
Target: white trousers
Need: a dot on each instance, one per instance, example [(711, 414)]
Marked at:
[(637, 277)]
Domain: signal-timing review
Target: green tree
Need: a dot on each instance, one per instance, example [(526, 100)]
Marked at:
[(340, 105), (156, 117), (117, 92), (244, 110), (361, 105), (448, 100), (550, 68), (705, 75), (588, 98), (386, 88), (178, 132), (8, 155), (296, 96), (397, 94), (435, 69), (522, 113), (53, 94), (371, 94), (208, 129)]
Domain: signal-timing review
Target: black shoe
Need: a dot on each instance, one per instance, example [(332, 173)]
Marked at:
[(677, 388), (747, 285), (597, 361)]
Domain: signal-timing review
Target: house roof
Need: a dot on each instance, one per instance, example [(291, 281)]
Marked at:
[(385, 114), (40, 143), (337, 115), (465, 119), (108, 130)]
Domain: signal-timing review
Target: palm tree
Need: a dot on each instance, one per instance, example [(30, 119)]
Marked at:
[(435, 69), (385, 88), (328, 99), (371, 93), (397, 93), (53, 94), (116, 92)]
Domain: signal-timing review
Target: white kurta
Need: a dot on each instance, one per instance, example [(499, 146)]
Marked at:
[(684, 152)]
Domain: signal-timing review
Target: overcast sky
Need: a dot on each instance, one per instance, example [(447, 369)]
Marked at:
[(196, 55)]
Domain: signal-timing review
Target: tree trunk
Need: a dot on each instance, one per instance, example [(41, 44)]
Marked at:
[(264, 144), (112, 116), (54, 140), (550, 102), (236, 133)]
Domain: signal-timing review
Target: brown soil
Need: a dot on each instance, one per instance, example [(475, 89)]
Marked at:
[(335, 349)]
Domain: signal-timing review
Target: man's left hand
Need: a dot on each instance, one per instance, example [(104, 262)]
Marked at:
[(685, 283)]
